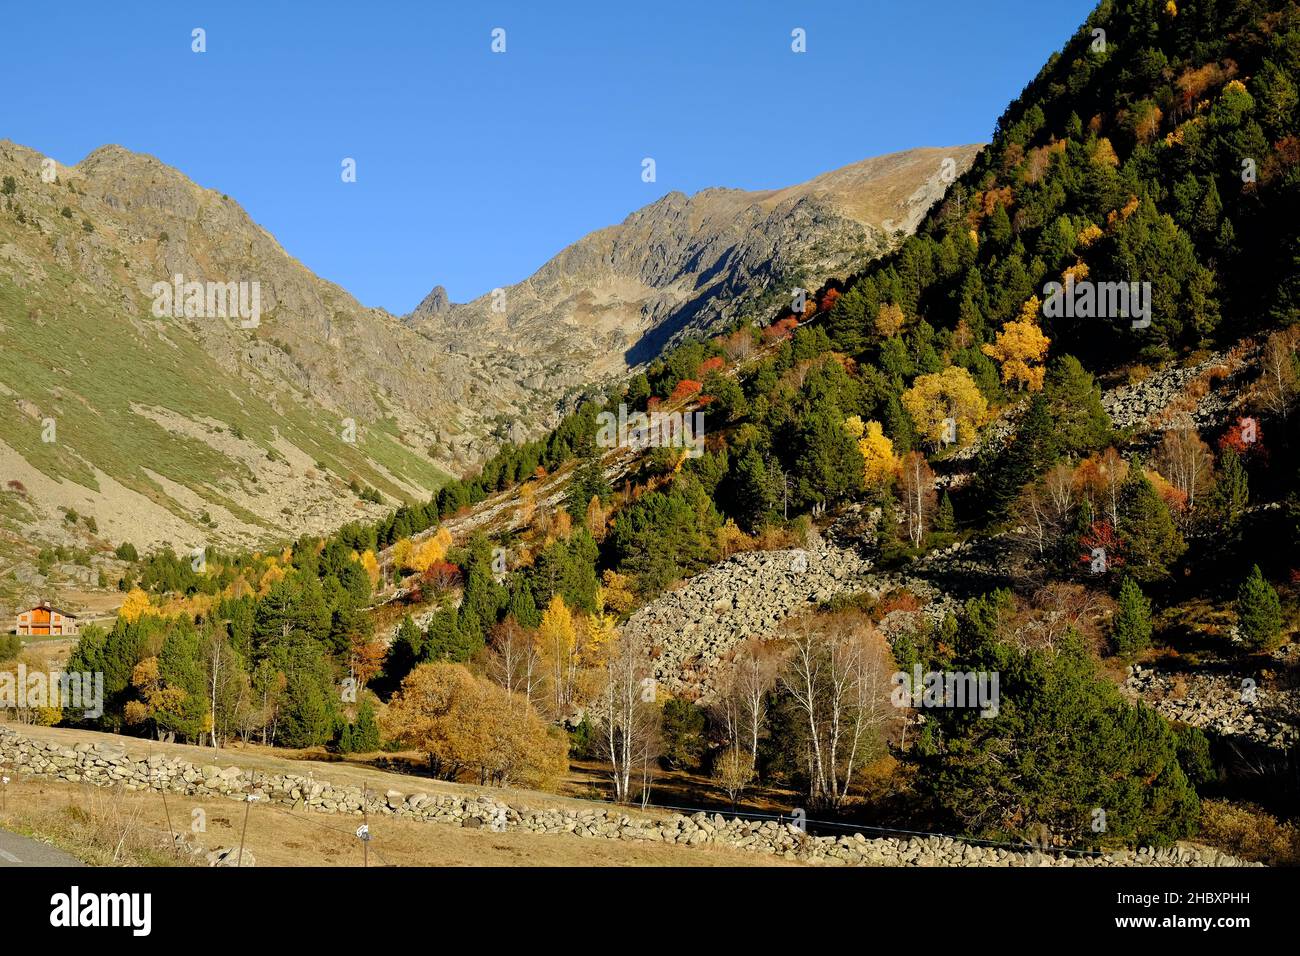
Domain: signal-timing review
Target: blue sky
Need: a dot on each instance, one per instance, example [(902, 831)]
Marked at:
[(473, 168)]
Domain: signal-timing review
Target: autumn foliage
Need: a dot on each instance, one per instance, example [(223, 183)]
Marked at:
[(782, 329), (684, 389), (1021, 348), (470, 727)]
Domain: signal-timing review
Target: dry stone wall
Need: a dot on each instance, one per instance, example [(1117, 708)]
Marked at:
[(103, 765)]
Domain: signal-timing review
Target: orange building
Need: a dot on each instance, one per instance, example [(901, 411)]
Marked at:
[(45, 621)]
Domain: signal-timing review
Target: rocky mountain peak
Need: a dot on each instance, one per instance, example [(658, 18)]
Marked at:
[(435, 303)]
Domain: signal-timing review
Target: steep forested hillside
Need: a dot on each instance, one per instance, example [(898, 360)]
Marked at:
[(1095, 504), (1158, 146)]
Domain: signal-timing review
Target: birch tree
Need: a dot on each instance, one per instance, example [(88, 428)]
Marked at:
[(838, 670), (916, 490), (1185, 460), (625, 717), (743, 684), (513, 661)]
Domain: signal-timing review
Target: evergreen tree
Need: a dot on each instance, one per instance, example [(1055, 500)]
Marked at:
[(450, 637), (579, 582), (484, 598), (310, 703), (826, 465), (1079, 422), (664, 535), (1030, 765), (683, 734), (897, 425), (728, 399), (1230, 496), (523, 606), (588, 482), (405, 651), (365, 732), (1131, 627), (1259, 612), (749, 492), (1151, 542), (945, 521), (1003, 472)]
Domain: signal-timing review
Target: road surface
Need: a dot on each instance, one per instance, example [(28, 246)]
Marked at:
[(18, 850)]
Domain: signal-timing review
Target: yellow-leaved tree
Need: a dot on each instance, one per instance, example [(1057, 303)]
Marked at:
[(427, 552), (879, 462), (371, 565), (467, 725), (1103, 153), (402, 552), (557, 639), (890, 319), (272, 574), (1020, 349), (136, 604), (617, 592), (947, 407), (598, 631)]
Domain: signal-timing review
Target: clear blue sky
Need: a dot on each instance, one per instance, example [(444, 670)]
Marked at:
[(473, 168)]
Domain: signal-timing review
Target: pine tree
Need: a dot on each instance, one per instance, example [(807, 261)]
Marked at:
[(445, 640), (751, 491), (1031, 450), (344, 744), (945, 521), (898, 426), (365, 732), (826, 465), (406, 650), (1131, 627), (1080, 423), (523, 606), (1231, 493), (1259, 613), (588, 482), (1151, 542), (1046, 770)]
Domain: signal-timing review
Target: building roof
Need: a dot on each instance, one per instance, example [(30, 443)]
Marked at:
[(47, 606)]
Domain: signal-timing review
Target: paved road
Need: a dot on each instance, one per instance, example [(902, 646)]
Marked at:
[(18, 850)]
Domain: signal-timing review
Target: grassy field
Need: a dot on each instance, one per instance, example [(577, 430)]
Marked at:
[(105, 827)]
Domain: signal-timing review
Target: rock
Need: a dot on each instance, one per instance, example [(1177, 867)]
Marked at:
[(231, 856), (592, 822)]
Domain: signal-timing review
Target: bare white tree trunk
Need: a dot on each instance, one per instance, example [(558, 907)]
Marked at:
[(626, 716)]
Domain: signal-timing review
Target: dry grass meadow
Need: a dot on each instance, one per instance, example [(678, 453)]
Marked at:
[(109, 826)]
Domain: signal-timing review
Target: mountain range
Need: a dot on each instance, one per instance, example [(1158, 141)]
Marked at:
[(195, 429)]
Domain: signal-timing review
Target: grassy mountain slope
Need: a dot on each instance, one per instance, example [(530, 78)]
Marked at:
[(157, 422)]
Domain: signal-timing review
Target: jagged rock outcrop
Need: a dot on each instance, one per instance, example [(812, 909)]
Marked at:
[(435, 303), (689, 264)]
